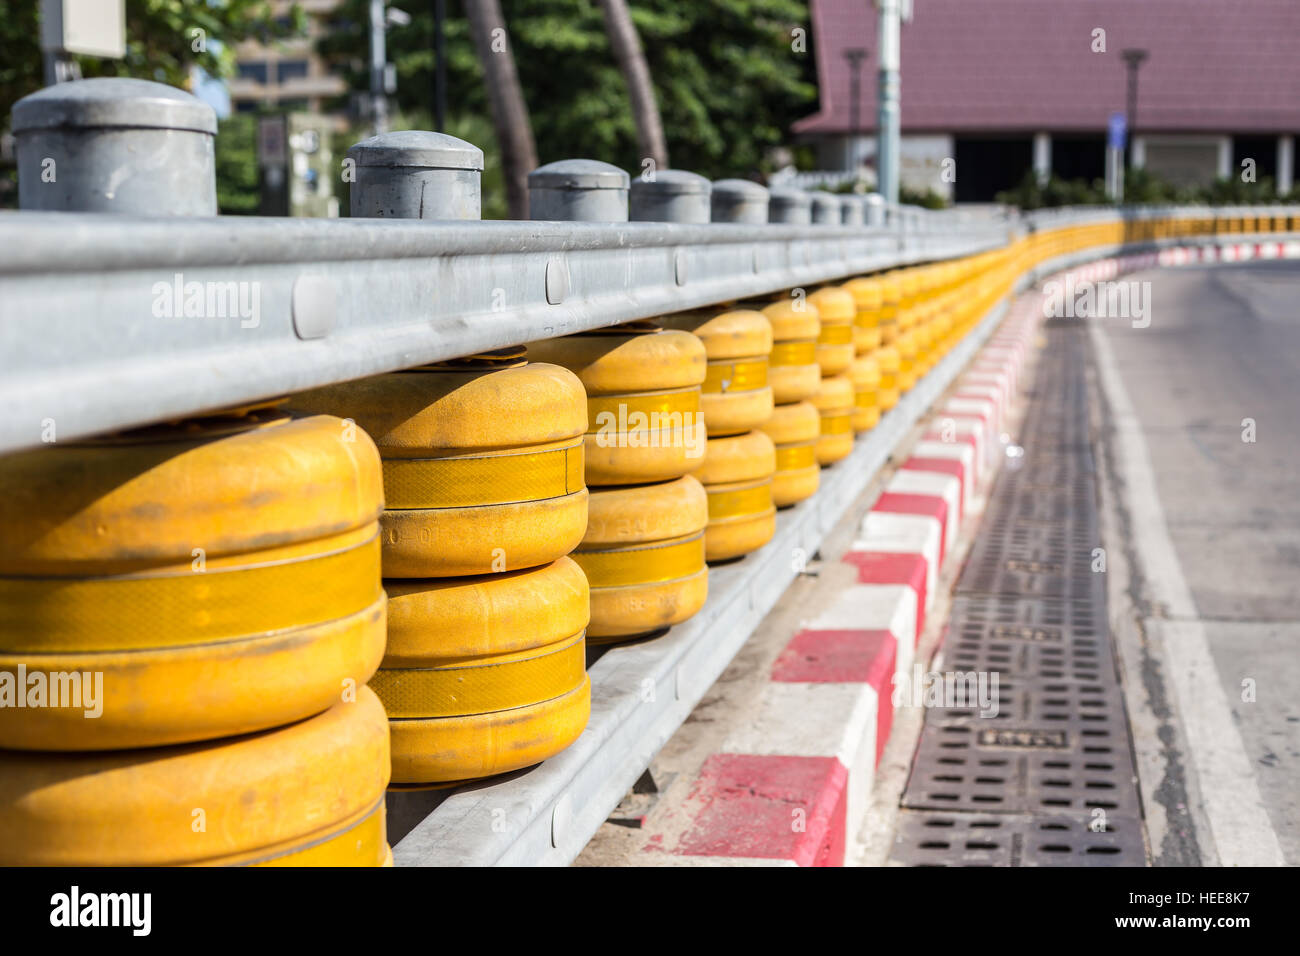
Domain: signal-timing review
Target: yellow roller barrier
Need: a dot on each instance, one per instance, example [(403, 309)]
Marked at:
[(836, 309), (834, 403), (643, 388), (483, 462), (867, 303), (794, 429), (794, 372), (186, 582), (887, 361), (737, 475), (644, 557), (308, 794), (736, 396), (891, 295), (865, 375), (478, 667)]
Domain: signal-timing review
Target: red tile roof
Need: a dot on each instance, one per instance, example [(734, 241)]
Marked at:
[(1028, 64)]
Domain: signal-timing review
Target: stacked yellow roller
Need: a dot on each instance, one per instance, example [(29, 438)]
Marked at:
[(795, 425), (865, 370), (739, 461), (835, 398), (887, 357), (189, 614), (643, 551), (485, 668)]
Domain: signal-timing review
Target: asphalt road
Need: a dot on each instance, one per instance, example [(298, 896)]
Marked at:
[(1215, 586)]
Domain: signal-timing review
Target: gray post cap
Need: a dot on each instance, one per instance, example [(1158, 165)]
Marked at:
[(417, 147), (739, 200), (672, 195), (825, 207), (577, 174), (789, 205), (852, 210), (578, 190), (113, 102)]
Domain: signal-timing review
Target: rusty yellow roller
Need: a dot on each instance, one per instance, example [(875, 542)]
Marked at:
[(737, 475), (643, 555), (834, 404), (307, 794), (794, 430), (483, 461), (836, 311), (736, 396), (644, 420), (793, 369), (865, 375), (484, 674), (867, 303), (187, 581)]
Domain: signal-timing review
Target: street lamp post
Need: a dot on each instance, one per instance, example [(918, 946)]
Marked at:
[(855, 56), (1133, 60)]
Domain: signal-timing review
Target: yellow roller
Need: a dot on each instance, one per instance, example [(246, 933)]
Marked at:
[(483, 462), (165, 585), (643, 399), (891, 295), (308, 794), (907, 359), (494, 648), (794, 372), (736, 395), (887, 361), (644, 557), (795, 429), (737, 475), (865, 375), (835, 349), (834, 403)]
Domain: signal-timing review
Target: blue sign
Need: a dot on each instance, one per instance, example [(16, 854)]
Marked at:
[(1116, 131)]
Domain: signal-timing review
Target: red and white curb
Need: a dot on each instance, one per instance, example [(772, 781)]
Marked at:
[(788, 785)]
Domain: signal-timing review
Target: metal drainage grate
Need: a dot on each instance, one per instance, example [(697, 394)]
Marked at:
[(1045, 778), (981, 839)]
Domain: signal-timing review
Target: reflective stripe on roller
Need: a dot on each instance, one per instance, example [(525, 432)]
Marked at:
[(310, 793), (169, 580), (834, 403), (736, 394), (794, 372), (483, 462), (836, 310), (645, 421), (865, 375), (643, 555), (737, 475), (795, 429)]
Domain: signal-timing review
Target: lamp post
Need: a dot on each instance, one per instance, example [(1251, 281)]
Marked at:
[(855, 56), (1133, 60)]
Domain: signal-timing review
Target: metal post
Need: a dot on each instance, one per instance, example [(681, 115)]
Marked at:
[(378, 58), (888, 124), (673, 195), (116, 145), (738, 200), (578, 190), (416, 174), (855, 56), (1133, 60), (875, 209), (826, 208), (789, 205), (852, 212)]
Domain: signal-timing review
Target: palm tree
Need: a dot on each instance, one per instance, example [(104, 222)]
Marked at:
[(506, 101), (626, 44)]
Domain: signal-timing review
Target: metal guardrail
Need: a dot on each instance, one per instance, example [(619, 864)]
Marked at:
[(96, 333)]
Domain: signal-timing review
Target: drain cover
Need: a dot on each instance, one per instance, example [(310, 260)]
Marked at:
[(1032, 764)]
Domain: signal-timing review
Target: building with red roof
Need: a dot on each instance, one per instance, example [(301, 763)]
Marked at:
[(998, 87)]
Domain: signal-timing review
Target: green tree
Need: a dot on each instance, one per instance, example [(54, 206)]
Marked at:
[(727, 80)]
